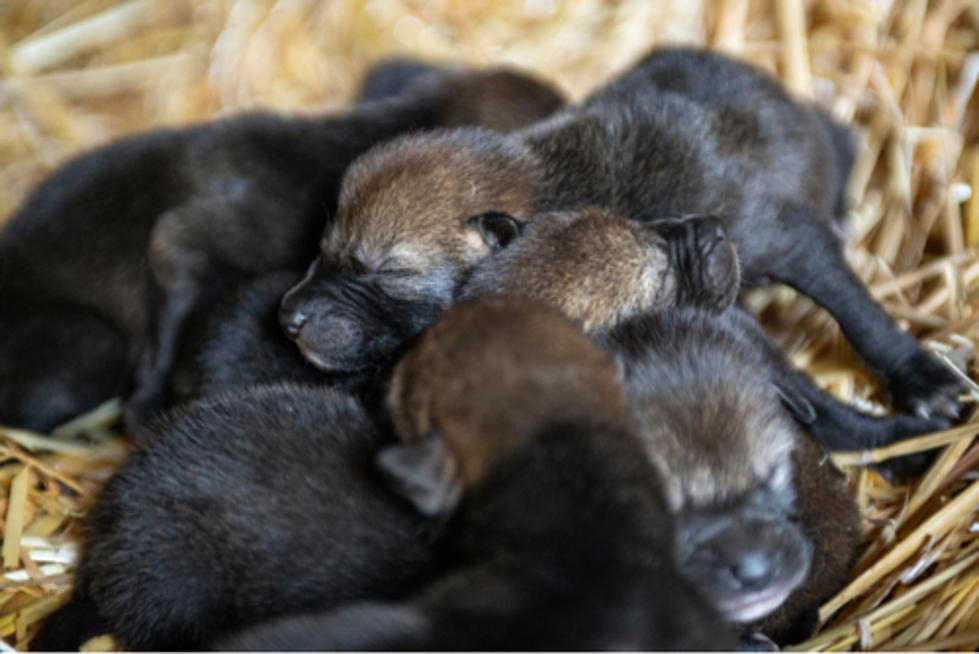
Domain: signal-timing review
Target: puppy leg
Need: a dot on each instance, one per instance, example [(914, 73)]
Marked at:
[(178, 270), (835, 424), (815, 266)]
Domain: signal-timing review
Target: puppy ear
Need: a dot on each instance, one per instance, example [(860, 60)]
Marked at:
[(422, 473), (801, 409), (496, 228)]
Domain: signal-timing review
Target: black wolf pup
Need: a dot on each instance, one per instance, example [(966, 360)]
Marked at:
[(249, 505)]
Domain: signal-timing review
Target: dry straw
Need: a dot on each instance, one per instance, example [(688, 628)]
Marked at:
[(77, 73)]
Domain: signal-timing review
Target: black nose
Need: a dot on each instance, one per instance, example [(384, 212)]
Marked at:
[(292, 322), (753, 569)]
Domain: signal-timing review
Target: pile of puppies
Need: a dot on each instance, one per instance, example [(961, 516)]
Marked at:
[(510, 403)]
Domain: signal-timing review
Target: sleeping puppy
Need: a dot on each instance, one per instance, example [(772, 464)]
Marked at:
[(683, 131), (143, 231), (767, 525), (556, 533), (601, 270), (254, 504)]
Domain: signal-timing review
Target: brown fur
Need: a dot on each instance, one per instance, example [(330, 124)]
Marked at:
[(600, 269), (379, 223), (704, 393), (830, 519), (485, 386), (741, 476)]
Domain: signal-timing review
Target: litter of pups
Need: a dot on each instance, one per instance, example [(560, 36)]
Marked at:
[(594, 449)]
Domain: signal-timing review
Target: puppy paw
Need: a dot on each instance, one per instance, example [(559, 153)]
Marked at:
[(901, 427), (926, 387)]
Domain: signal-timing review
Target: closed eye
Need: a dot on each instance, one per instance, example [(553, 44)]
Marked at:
[(386, 268), (393, 270)]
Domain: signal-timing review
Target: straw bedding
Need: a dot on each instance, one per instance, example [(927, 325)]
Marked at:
[(79, 73)]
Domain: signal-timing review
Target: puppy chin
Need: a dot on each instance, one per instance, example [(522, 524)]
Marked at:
[(749, 607), (314, 358), (328, 364)]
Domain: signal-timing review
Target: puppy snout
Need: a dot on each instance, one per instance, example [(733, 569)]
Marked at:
[(754, 569)]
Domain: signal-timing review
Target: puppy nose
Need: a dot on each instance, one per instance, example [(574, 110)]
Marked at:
[(753, 569), (292, 322)]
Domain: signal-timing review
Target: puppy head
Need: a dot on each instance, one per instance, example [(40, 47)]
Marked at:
[(499, 98), (402, 240), (479, 383), (717, 432), (600, 269)]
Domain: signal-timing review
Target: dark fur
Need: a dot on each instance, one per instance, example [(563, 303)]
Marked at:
[(238, 342), (564, 546), (560, 540), (137, 234), (745, 483), (834, 424), (252, 505), (683, 131)]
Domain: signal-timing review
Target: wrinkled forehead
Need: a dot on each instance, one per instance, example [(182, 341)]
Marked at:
[(398, 205)]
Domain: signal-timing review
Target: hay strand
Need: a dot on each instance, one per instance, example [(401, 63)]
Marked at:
[(14, 519)]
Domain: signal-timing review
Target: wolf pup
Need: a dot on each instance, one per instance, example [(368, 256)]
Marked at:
[(137, 234), (767, 526), (249, 505), (684, 131), (556, 528)]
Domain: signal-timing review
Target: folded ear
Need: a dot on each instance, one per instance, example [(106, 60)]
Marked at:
[(496, 228), (801, 409), (423, 474)]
